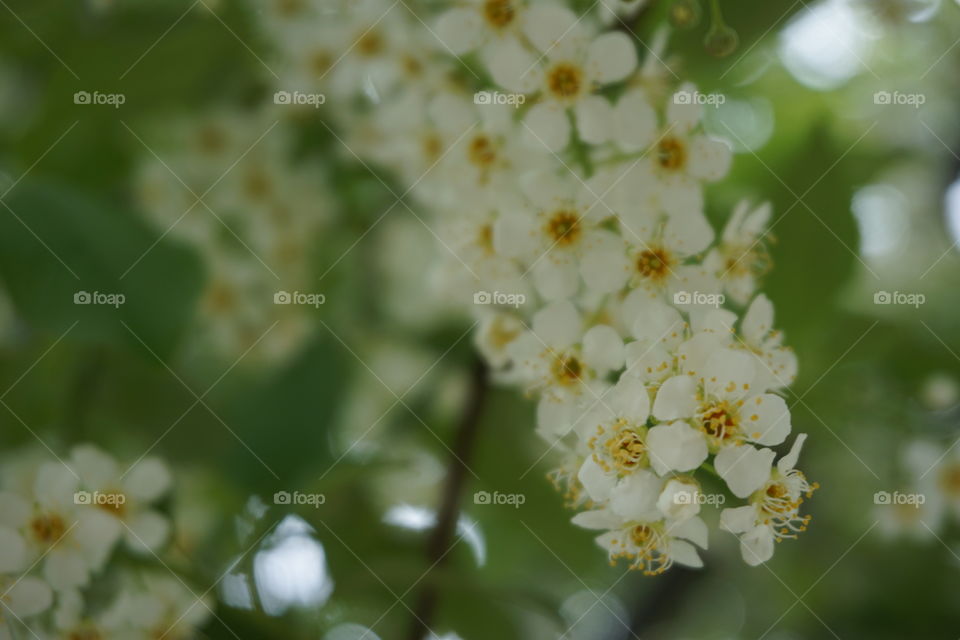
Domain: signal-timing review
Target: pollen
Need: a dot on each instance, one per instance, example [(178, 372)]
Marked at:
[(653, 264), (563, 228), (567, 370), (499, 13), (671, 154), (565, 80), (48, 528)]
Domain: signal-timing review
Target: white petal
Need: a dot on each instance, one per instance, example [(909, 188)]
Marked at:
[(556, 279), (148, 480), (14, 510), (676, 447), (634, 121), (744, 468), (603, 349), (55, 484), (558, 324), (460, 29), (694, 530), (649, 363), (597, 482), (789, 461), (545, 25), (765, 419), (709, 159), (547, 126), (678, 500), (147, 531), (756, 546), (635, 497), (594, 119), (738, 519), (514, 236), (604, 264), (611, 57), (629, 399), (676, 399), (685, 553), (28, 597), (65, 569), (13, 550), (695, 353), (688, 233), (513, 67), (757, 321), (728, 374), (597, 519), (96, 468), (655, 321)]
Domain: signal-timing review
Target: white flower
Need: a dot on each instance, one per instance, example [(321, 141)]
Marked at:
[(76, 539), (126, 496), (570, 68), (722, 406), (651, 546), (679, 499), (21, 598), (561, 237), (496, 332), (741, 258), (776, 365), (774, 509)]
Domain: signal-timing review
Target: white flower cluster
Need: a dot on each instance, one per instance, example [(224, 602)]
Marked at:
[(61, 522), (229, 187), (567, 194)]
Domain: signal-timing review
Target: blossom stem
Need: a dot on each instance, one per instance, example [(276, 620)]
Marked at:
[(441, 538)]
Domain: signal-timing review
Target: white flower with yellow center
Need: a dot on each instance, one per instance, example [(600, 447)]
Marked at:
[(718, 412), (493, 337), (741, 258), (776, 364), (126, 496), (650, 545), (73, 539), (682, 156), (564, 73), (774, 510), (561, 237), (565, 364)]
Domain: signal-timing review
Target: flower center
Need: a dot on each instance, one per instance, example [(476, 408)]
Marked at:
[(485, 239), (654, 263), (211, 139), (289, 8), (641, 534), (671, 154), (950, 480), (320, 62), (432, 146), (48, 528), (564, 228), (626, 449), (719, 421), (501, 334), (499, 13), (370, 44), (113, 502), (257, 184), (566, 370), (482, 151), (565, 80)]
